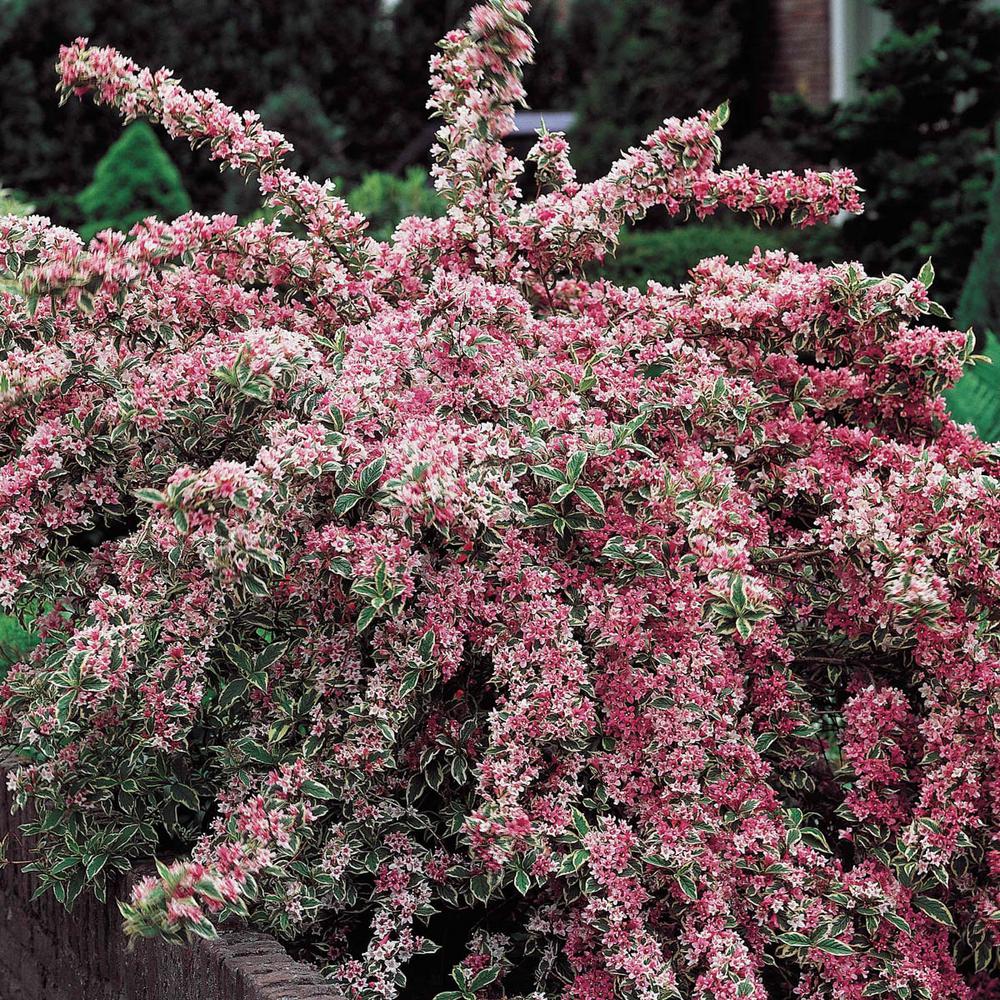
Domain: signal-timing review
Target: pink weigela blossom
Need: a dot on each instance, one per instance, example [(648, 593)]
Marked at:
[(645, 642)]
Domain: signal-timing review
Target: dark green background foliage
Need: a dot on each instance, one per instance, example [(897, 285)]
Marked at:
[(346, 81), (14, 643), (979, 305), (248, 52), (653, 59), (134, 179), (667, 255), (976, 398), (918, 136)]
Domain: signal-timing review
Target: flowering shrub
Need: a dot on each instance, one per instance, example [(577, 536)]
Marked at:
[(636, 644)]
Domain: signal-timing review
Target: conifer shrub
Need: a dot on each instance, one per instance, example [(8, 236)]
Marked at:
[(616, 643), (385, 200), (134, 179)]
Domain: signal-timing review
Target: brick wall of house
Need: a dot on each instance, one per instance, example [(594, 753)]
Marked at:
[(49, 954), (800, 60)]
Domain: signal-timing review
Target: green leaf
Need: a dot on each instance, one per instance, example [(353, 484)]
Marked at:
[(574, 467), (926, 276), (185, 795), (816, 839), (561, 492), (207, 887), (366, 617), (737, 594), (255, 751), (52, 819), (64, 865), (934, 909), (794, 940), (898, 922), (204, 928), (427, 644), (688, 886), (656, 862), (269, 655), (345, 502), (483, 978), (548, 472), (591, 498), (238, 656), (95, 866), (834, 947), (150, 496), (232, 692), (719, 116), (317, 790), (480, 887), (522, 882), (371, 474)]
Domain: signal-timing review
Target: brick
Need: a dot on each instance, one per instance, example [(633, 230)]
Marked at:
[(800, 57)]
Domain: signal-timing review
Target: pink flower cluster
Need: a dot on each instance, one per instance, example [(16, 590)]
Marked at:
[(629, 643)]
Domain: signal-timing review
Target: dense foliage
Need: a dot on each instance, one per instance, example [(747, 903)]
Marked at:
[(134, 179), (11, 203), (919, 136), (15, 643), (625, 643)]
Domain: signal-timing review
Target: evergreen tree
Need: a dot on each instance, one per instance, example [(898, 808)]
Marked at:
[(385, 200), (321, 141), (918, 136), (133, 180)]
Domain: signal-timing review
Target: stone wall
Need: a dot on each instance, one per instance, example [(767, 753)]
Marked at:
[(49, 954)]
